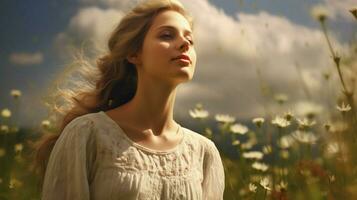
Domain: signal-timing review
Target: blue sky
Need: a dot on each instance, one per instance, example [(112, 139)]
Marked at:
[(31, 27)]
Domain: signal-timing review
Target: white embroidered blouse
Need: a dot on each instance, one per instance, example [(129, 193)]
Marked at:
[(94, 159)]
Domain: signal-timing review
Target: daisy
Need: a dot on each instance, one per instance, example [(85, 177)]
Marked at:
[(198, 113), (286, 141), (252, 187), (280, 122), (265, 183), (288, 115), (239, 128), (304, 137), (343, 108), (305, 123), (224, 118), (253, 155), (260, 166)]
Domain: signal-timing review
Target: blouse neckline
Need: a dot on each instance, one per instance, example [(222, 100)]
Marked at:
[(154, 151)]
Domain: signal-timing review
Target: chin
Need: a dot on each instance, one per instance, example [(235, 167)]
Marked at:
[(181, 79), (185, 79)]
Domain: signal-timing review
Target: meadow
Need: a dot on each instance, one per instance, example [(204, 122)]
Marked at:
[(279, 155)]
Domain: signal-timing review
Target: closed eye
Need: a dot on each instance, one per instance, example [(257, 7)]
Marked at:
[(169, 36), (166, 36)]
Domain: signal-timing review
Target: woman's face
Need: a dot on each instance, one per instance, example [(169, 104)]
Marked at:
[(169, 36)]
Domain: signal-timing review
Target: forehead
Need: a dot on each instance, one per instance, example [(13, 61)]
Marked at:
[(170, 18)]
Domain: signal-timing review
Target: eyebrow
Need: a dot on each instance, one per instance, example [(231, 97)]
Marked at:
[(172, 27)]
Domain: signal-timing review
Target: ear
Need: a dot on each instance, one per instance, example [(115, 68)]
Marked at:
[(134, 59)]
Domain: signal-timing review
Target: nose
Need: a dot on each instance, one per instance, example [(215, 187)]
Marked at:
[(184, 44)]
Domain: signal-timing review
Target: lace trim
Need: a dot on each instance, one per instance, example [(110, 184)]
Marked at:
[(153, 151)]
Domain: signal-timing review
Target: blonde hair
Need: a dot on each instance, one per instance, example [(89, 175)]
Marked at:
[(111, 83)]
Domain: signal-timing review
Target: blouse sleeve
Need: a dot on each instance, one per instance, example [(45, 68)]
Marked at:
[(213, 177), (70, 163)]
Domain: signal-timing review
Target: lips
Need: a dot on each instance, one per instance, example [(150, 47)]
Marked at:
[(183, 56)]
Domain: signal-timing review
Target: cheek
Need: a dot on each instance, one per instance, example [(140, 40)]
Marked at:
[(161, 47), (156, 52), (194, 56)]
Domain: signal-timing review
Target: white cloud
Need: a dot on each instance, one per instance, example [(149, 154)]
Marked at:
[(118, 4), (341, 8), (91, 26), (230, 49), (20, 58)]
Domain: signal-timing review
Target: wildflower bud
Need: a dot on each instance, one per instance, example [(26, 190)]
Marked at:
[(320, 13), (321, 18), (45, 124), (327, 75), (110, 102), (199, 106), (6, 113), (4, 128), (18, 147), (15, 183), (208, 133), (267, 149), (284, 154), (327, 127), (332, 178), (258, 121), (310, 115), (235, 142), (14, 129), (288, 116), (337, 60), (15, 93), (281, 98), (2, 152), (354, 12)]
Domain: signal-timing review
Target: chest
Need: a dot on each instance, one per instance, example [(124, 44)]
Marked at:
[(126, 172)]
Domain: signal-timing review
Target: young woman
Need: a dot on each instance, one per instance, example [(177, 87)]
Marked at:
[(119, 140)]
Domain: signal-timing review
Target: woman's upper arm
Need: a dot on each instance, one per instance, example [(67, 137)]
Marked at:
[(69, 164), (213, 176)]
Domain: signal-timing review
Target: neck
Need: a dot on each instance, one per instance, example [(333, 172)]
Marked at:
[(152, 106)]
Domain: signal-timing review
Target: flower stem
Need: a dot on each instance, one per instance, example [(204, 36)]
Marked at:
[(346, 92), (334, 56), (265, 194)]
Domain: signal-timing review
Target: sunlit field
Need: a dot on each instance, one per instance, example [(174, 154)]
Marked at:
[(307, 151)]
